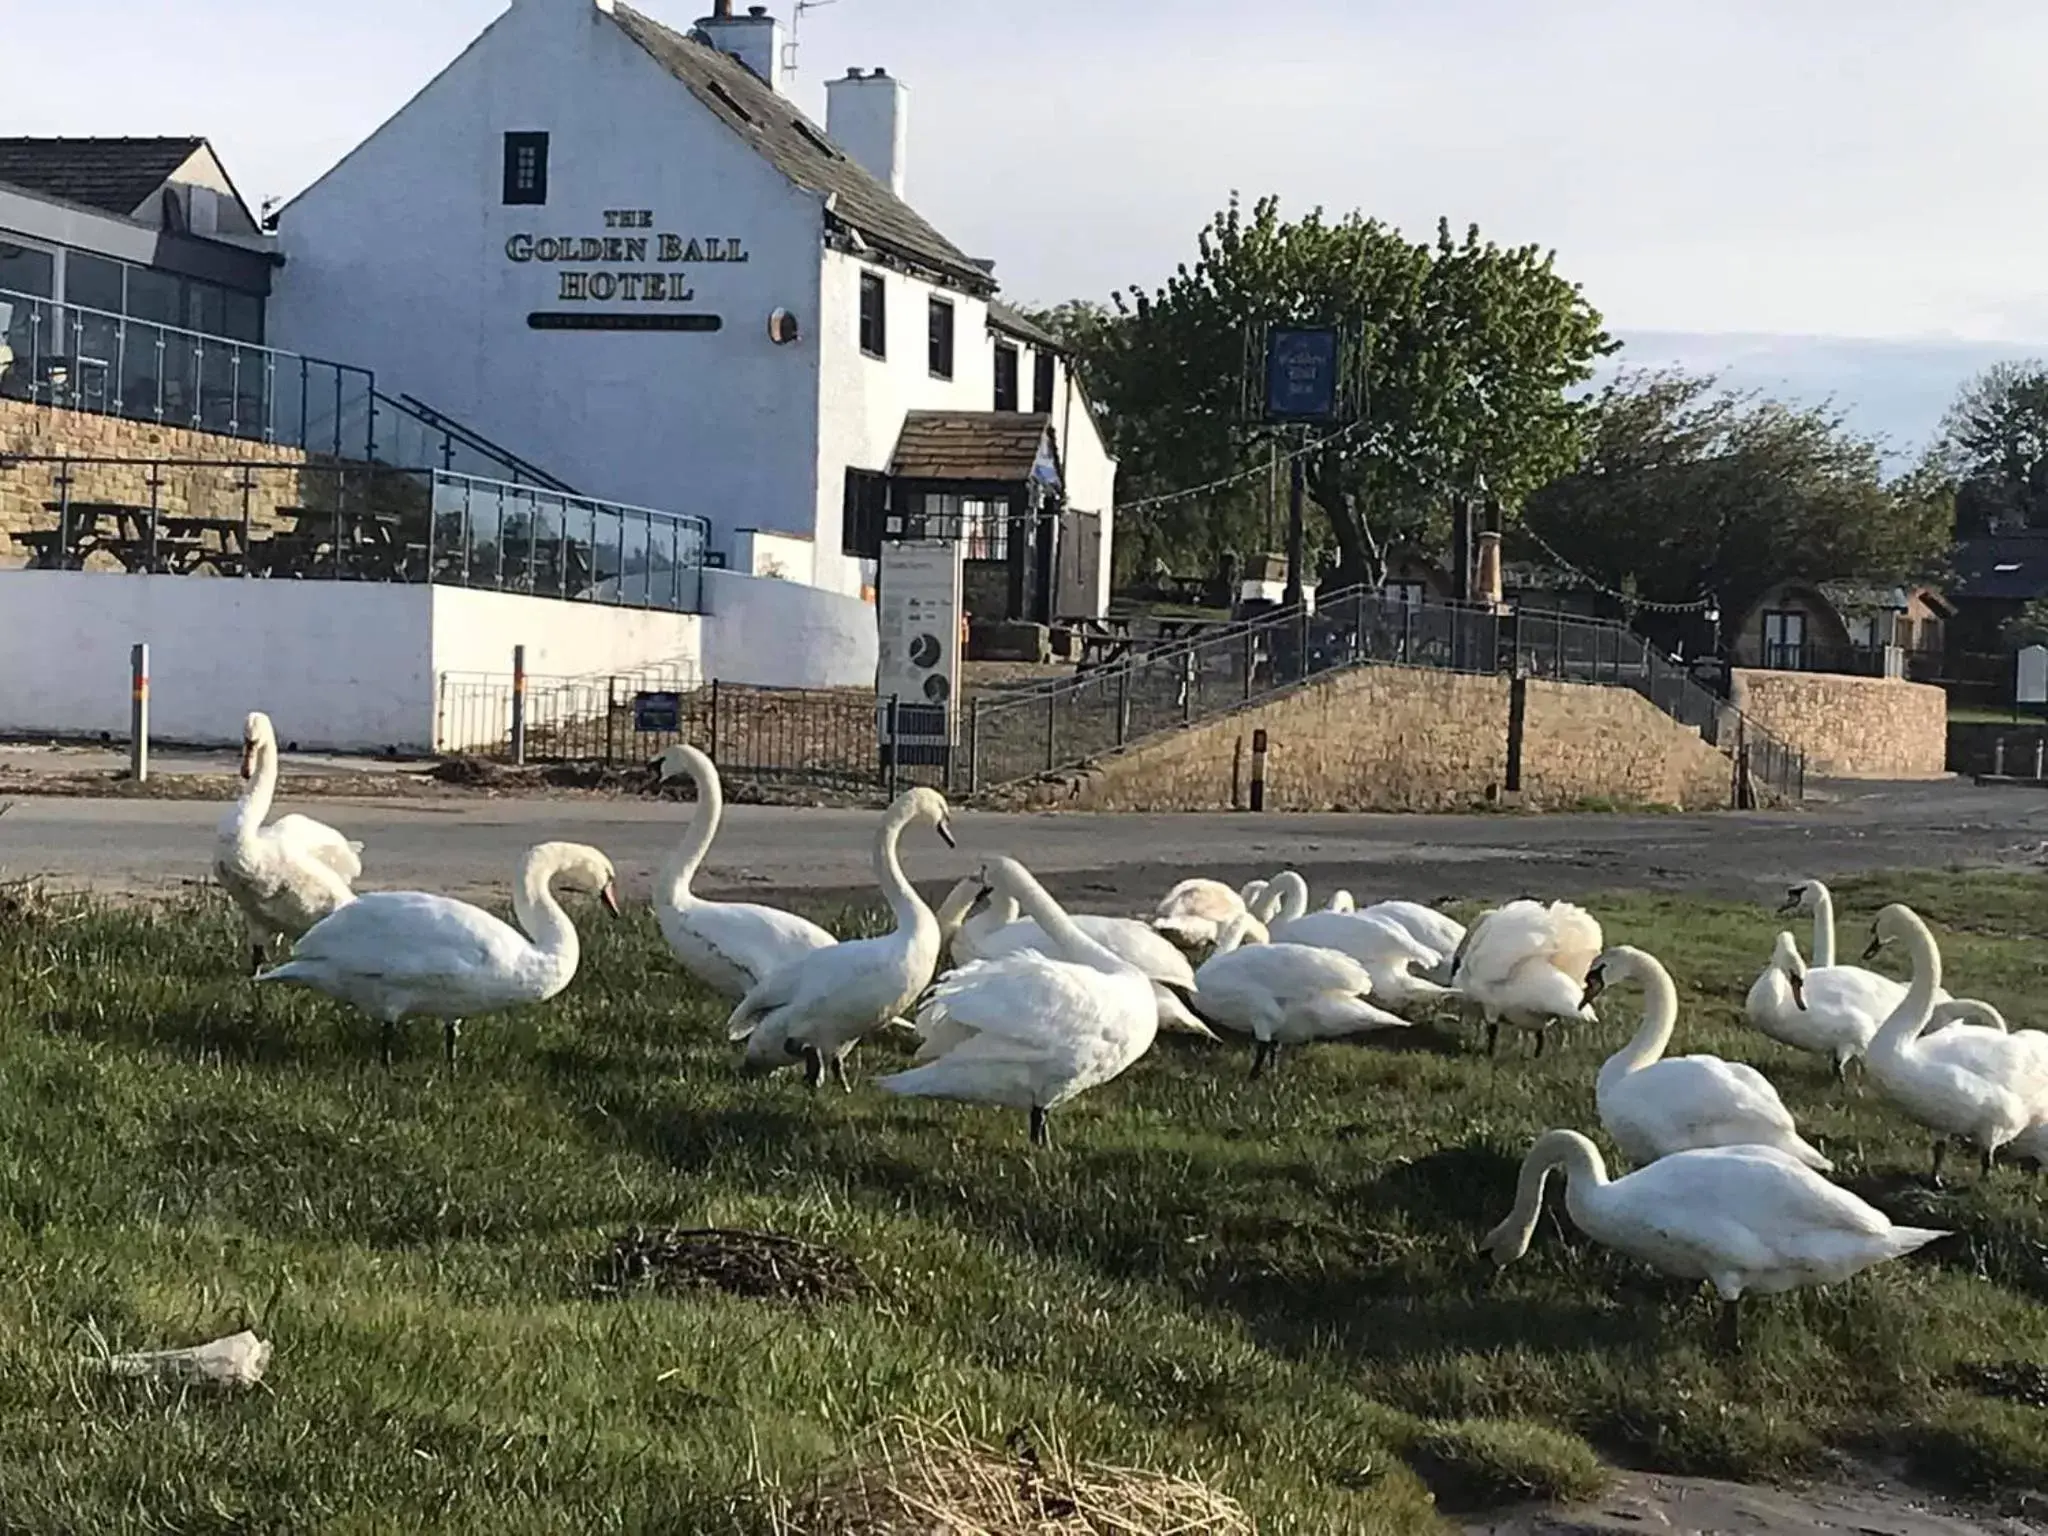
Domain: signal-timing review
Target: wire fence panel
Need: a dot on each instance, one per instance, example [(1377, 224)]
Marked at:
[(828, 738)]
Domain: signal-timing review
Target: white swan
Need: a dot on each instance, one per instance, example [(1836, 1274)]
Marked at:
[(289, 875), (1283, 994), (1744, 1218), (1654, 1106), (727, 945), (1525, 964), (999, 929), (400, 953), (1971, 1082), (1027, 1028), (1194, 911), (1436, 931), (816, 1008), (1831, 1011), (1396, 960)]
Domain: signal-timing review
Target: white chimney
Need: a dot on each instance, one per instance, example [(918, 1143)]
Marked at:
[(755, 39), (868, 116)]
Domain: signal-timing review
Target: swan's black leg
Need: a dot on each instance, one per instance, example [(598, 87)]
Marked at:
[(1731, 1326), (1987, 1157), (1940, 1151), (1263, 1052), (450, 1032), (1541, 1035), (1492, 1036), (385, 1040), (839, 1073), (814, 1066), (258, 953), (1041, 1136)]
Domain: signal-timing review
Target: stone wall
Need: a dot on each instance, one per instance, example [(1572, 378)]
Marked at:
[(1407, 739), (1851, 727), (216, 492)]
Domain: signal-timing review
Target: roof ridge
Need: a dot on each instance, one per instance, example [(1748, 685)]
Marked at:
[(778, 130)]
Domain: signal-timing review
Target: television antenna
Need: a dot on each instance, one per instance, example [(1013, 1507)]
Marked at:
[(796, 18)]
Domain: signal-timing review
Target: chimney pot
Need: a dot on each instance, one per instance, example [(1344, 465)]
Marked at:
[(853, 72), (757, 10), (881, 73), (722, 9)]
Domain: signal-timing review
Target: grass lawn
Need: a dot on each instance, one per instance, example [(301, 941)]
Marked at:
[(1269, 1286)]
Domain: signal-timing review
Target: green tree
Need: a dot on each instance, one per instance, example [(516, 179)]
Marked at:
[(1994, 446), (1468, 353), (2027, 627), (1689, 490)]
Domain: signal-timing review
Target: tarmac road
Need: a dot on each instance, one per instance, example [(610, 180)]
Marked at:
[(1108, 863)]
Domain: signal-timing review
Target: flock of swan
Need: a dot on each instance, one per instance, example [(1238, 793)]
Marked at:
[(1018, 1003)]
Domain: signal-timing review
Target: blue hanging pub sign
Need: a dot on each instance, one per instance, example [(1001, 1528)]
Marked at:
[(1301, 373)]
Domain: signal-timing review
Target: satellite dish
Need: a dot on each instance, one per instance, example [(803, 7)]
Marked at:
[(782, 328)]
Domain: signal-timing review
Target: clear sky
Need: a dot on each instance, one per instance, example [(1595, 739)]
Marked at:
[(1767, 168)]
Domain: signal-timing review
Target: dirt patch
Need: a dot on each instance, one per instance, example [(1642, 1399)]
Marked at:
[(764, 1265), (1640, 1502), (917, 1479)]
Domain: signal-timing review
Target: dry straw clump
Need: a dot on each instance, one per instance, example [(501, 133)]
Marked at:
[(915, 1478)]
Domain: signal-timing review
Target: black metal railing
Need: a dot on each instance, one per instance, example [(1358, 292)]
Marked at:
[(1035, 730), (345, 521), (816, 737)]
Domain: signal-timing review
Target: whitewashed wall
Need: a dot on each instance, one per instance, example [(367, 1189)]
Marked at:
[(335, 664), (782, 634), (476, 631), (397, 260)]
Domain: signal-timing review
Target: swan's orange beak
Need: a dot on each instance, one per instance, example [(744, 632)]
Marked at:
[(610, 897), (248, 759), (945, 831), (1596, 983), (1798, 991)]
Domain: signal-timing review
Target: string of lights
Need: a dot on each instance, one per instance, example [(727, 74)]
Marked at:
[(1648, 605), (1193, 492)]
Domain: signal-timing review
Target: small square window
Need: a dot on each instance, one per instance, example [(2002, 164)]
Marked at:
[(942, 339), (874, 315), (1006, 377), (1041, 381), (526, 168)]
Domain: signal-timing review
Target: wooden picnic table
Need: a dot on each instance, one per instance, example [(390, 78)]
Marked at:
[(143, 539)]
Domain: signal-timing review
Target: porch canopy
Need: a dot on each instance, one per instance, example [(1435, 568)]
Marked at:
[(991, 480)]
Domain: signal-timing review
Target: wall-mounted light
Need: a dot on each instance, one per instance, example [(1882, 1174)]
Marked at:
[(782, 328)]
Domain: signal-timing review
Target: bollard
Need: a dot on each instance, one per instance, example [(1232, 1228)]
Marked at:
[(138, 714), (1258, 792), (518, 706), (1998, 758), (2040, 743)]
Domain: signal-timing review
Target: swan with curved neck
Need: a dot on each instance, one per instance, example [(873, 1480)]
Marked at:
[(1654, 1106), (396, 954), (287, 876), (1812, 896), (1284, 994), (1970, 1082), (1832, 1011), (728, 945), (1746, 1219), (1001, 927), (1031, 1029), (816, 1008)]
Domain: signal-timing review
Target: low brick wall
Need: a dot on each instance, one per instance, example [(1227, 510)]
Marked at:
[(42, 429), (1407, 739), (1851, 727)]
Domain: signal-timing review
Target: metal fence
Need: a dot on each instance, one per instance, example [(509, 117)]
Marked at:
[(116, 365), (83, 359), (1030, 731), (820, 738), (360, 522)]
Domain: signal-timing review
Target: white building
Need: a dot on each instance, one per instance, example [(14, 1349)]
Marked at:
[(621, 251)]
